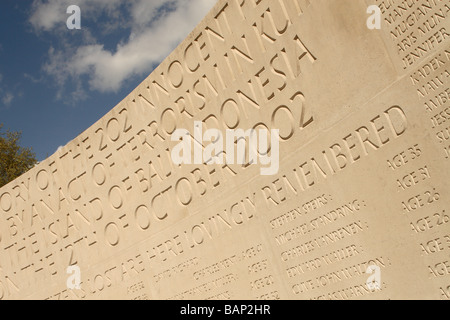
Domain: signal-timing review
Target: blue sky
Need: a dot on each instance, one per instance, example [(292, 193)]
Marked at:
[(56, 82)]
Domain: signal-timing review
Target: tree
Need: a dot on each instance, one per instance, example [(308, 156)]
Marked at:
[(14, 160)]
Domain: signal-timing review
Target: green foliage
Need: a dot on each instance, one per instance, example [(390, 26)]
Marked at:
[(14, 160)]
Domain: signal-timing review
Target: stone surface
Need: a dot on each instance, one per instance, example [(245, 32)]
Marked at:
[(363, 181)]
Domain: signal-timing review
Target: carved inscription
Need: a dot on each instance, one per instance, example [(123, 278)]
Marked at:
[(363, 124)]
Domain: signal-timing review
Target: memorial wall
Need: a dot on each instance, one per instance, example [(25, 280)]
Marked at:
[(355, 205)]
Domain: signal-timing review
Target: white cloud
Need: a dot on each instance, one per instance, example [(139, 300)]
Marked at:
[(156, 27), (48, 14), (142, 12), (7, 98)]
